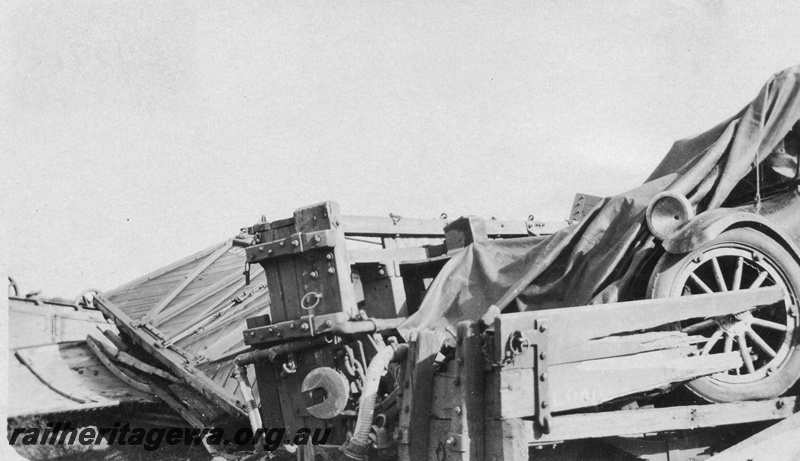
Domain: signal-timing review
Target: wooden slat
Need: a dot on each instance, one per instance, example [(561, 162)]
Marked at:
[(159, 272), (369, 226), (173, 360), (615, 346), (189, 279), (187, 303), (585, 384), (650, 420), (577, 324)]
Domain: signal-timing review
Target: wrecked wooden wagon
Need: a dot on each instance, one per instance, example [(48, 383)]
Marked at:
[(661, 323)]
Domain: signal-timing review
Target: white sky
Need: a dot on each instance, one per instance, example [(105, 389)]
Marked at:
[(136, 133)]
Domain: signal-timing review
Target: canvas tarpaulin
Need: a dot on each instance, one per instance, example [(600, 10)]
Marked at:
[(596, 259)]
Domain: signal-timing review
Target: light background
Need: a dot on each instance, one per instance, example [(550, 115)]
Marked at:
[(136, 133)]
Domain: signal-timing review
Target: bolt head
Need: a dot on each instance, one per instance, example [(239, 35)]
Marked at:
[(457, 410)]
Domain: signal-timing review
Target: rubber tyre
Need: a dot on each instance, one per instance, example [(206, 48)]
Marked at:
[(668, 279)]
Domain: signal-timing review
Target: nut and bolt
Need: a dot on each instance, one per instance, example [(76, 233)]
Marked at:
[(304, 326), (295, 243), (457, 410)]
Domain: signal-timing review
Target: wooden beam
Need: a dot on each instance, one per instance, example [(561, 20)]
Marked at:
[(777, 443), (590, 383), (161, 271), (573, 325), (116, 371), (172, 359), (390, 255), (650, 420), (369, 226), (189, 279), (189, 302), (616, 346), (413, 429)]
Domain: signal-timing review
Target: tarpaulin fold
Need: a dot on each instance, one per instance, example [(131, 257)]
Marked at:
[(596, 260)]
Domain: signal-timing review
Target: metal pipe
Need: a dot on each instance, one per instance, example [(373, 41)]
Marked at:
[(366, 326)]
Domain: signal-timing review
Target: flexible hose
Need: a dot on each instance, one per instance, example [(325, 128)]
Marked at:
[(357, 445), (240, 374)]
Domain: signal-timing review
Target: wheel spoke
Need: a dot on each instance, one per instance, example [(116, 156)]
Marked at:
[(768, 324), (718, 275), (700, 283), (737, 276), (699, 326), (711, 341), (748, 361), (760, 342), (728, 342), (758, 281)]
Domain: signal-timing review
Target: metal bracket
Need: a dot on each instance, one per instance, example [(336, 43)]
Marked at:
[(401, 435), (541, 383), (294, 244), (304, 327)]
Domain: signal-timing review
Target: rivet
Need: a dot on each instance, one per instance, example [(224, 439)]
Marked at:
[(329, 256), (317, 238), (304, 326), (543, 328), (543, 377), (542, 356), (328, 323), (544, 404), (260, 248), (295, 243), (331, 270), (282, 244), (457, 410), (269, 251), (451, 441), (314, 274)]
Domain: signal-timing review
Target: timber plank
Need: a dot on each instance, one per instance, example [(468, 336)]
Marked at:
[(651, 420), (577, 324), (585, 384)]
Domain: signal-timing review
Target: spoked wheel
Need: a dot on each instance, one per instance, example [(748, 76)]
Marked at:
[(766, 337)]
